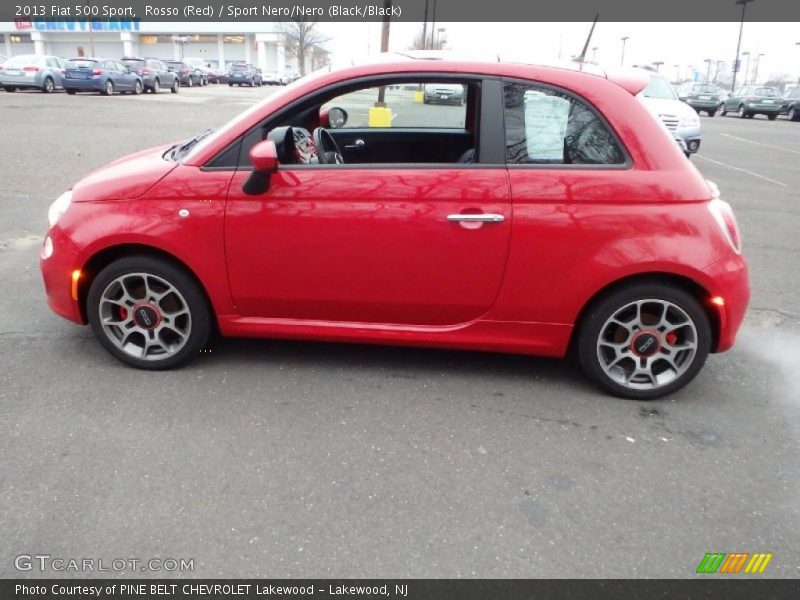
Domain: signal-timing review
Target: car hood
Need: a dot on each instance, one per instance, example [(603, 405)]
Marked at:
[(663, 106), (125, 178)]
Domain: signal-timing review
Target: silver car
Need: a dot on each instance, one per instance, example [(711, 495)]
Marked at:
[(39, 71)]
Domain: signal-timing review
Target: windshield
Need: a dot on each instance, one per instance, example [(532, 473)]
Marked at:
[(21, 61), (658, 88), (238, 68), (704, 88), (768, 92), (257, 107), (134, 63)]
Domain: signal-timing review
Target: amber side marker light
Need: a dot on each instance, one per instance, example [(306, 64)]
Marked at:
[(76, 277), (717, 301)]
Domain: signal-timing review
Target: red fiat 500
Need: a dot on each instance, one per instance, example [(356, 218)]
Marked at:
[(548, 211)]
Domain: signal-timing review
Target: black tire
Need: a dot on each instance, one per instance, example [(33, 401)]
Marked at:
[(190, 83), (108, 88), (793, 114), (772, 117), (71, 92), (137, 87), (49, 86), (597, 315), (156, 86), (175, 87), (723, 110), (199, 312), (711, 113), (11, 89), (742, 113), (230, 85)]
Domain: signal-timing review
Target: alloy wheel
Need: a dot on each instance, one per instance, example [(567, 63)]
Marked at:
[(647, 344), (145, 316)]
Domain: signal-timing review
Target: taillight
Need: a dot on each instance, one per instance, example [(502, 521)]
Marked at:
[(30, 69), (145, 70), (751, 99), (723, 215), (184, 71), (96, 72)]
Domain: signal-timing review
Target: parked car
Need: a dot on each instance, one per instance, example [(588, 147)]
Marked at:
[(680, 119), (187, 75), (752, 100), (790, 104), (244, 74), (702, 97), (200, 65), (443, 93), (154, 74), (643, 275), (273, 78), (32, 71), (100, 75), (214, 75)]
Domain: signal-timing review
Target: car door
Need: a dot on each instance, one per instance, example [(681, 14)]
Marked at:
[(403, 244)]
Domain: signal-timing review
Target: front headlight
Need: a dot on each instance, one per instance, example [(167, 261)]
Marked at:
[(59, 207), (690, 121)]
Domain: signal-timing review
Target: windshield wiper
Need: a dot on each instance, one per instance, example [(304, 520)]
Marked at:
[(178, 150)]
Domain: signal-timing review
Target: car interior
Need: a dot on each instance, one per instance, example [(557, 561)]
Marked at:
[(334, 128)]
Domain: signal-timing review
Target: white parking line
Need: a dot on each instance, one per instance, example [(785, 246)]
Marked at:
[(741, 139), (722, 164)]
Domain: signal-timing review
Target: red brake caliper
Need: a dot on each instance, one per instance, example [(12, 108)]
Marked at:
[(671, 338)]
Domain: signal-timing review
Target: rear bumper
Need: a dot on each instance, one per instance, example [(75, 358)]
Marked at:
[(703, 104), (94, 84), (763, 109), (20, 81), (731, 283)]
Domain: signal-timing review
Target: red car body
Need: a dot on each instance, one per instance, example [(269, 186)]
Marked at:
[(355, 253)]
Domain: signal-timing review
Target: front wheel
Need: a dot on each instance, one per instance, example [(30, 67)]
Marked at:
[(156, 86), (148, 313), (644, 341), (49, 85), (711, 113), (176, 86), (137, 87), (742, 112), (190, 83), (793, 114), (722, 110), (772, 117)]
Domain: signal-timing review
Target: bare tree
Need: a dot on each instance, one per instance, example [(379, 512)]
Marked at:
[(423, 41), (301, 37)]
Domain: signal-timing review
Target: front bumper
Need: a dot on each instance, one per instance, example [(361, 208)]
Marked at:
[(690, 135), (57, 273)]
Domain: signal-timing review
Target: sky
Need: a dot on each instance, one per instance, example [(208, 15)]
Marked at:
[(681, 44)]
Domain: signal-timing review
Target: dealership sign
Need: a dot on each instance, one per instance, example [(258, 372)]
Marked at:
[(111, 25)]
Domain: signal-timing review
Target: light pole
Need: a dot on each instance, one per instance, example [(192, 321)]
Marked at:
[(439, 33), (747, 67), (739, 43), (720, 64), (755, 69), (708, 69), (624, 39), (658, 64)]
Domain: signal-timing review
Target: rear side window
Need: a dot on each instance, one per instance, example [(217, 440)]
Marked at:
[(548, 127)]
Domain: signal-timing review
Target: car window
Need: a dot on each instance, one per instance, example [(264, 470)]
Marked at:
[(704, 88), (53, 63), (411, 104), (767, 92), (20, 61), (658, 88), (545, 126), (80, 63)]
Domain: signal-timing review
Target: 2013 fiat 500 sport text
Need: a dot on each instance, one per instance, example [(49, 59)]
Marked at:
[(547, 213)]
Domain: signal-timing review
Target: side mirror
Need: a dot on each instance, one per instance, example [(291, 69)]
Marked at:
[(264, 156), (337, 117)]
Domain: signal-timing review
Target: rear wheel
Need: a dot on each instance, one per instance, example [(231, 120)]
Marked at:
[(711, 113), (772, 117), (10, 89), (49, 85), (793, 114), (190, 83), (70, 91), (108, 88), (644, 341), (156, 87), (148, 313)]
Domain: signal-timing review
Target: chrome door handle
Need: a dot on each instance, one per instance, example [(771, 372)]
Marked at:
[(356, 145), (479, 218)]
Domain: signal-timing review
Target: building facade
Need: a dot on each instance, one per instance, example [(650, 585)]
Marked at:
[(218, 44)]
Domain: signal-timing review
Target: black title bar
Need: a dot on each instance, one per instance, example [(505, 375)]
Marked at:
[(399, 10)]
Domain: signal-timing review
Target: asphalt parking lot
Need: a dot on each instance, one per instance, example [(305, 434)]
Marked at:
[(288, 459)]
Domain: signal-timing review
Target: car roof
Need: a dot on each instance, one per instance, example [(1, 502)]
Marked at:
[(631, 79)]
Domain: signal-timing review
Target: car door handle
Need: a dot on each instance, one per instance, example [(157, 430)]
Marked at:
[(479, 218), (356, 145)]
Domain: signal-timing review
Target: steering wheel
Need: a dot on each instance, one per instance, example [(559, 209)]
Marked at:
[(328, 152)]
